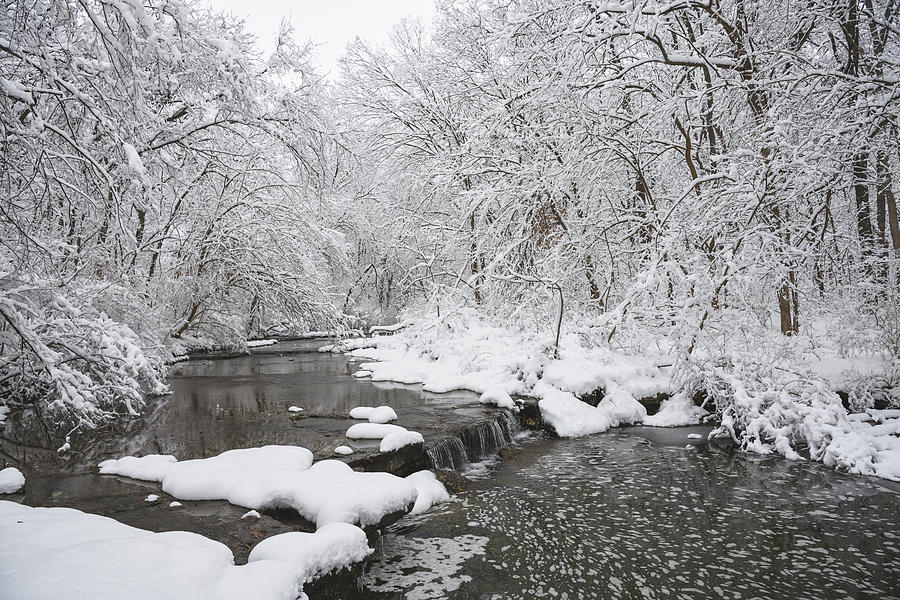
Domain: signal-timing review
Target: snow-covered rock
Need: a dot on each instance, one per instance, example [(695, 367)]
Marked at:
[(372, 431), (331, 548), (497, 397), (399, 439), (11, 480), (251, 514), (382, 414), (677, 411), (431, 491), (343, 450), (277, 477), (294, 409)]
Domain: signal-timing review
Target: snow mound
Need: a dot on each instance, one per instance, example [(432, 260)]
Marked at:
[(372, 431), (399, 439), (251, 514), (498, 397), (343, 450), (382, 414), (361, 412), (11, 480), (677, 411), (65, 553), (362, 373), (151, 498), (431, 491), (152, 467), (331, 548), (279, 477), (294, 409)]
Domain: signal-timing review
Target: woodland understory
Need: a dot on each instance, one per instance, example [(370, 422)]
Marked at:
[(708, 185)]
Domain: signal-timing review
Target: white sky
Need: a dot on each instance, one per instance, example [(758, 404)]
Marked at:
[(331, 23)]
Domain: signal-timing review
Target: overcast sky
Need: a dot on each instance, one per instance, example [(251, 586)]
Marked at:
[(331, 23)]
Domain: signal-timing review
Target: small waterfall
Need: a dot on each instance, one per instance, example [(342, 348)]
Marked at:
[(474, 443)]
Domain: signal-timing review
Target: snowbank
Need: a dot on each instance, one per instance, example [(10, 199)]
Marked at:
[(11, 480), (65, 553), (260, 343), (277, 477)]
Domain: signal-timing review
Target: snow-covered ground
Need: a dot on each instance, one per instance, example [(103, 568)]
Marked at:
[(66, 553), (762, 413)]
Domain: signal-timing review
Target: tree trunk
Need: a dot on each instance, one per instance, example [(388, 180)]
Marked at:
[(861, 193)]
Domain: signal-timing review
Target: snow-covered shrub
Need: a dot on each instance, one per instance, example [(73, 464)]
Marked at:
[(67, 360)]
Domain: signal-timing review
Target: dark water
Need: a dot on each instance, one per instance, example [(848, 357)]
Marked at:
[(623, 516), (218, 404)]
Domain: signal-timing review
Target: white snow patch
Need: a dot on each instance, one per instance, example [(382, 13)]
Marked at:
[(251, 514), (260, 343), (399, 439), (497, 397), (343, 450), (695, 436), (372, 431), (11, 480), (382, 414), (174, 504), (362, 373), (431, 491), (294, 409), (65, 553), (134, 159), (677, 411), (151, 498), (361, 412), (278, 477), (331, 548)]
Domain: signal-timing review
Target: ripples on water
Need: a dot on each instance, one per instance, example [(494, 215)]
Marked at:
[(616, 516)]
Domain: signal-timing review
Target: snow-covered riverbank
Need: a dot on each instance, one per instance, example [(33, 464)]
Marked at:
[(793, 409)]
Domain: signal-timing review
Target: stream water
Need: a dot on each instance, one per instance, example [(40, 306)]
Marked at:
[(634, 513)]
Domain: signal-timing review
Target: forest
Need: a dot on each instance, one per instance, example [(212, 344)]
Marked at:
[(706, 187)]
